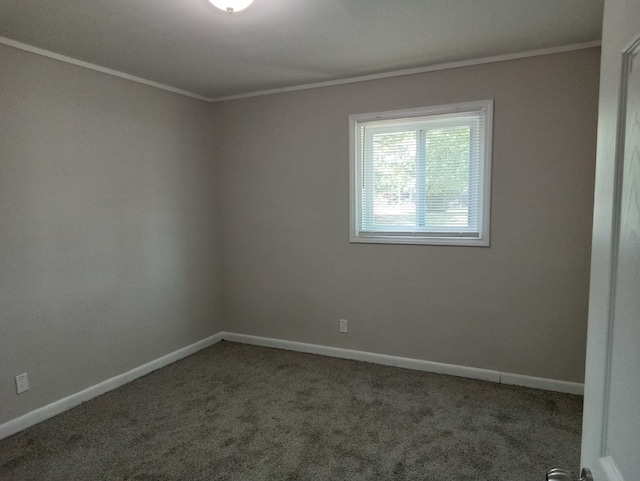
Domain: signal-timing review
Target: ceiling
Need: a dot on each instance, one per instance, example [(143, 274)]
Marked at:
[(193, 46)]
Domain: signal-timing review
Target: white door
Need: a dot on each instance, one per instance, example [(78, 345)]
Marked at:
[(611, 426)]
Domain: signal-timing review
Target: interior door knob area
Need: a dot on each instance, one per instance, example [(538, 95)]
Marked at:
[(557, 474)]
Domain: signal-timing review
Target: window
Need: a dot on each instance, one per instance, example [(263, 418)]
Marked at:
[(422, 176)]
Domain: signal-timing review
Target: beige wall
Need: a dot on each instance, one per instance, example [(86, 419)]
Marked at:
[(108, 237), (112, 253), (520, 306)]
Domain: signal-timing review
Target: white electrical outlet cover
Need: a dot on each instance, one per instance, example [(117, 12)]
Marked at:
[(22, 383)]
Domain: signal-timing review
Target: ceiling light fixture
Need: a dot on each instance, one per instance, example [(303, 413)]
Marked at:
[(231, 6)]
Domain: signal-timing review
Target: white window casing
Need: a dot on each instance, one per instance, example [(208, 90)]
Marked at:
[(422, 176)]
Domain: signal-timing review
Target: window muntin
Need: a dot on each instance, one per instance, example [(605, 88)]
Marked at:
[(422, 175)]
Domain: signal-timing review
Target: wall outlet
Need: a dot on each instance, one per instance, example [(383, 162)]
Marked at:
[(344, 326), (22, 383)]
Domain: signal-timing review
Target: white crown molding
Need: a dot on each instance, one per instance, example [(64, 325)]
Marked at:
[(330, 83), (418, 70), (79, 63)]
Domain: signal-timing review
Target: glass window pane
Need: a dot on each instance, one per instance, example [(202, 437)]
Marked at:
[(394, 178), (447, 154)]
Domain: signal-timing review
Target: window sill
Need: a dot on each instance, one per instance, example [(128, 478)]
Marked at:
[(413, 240)]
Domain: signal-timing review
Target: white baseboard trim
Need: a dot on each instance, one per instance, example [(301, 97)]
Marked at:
[(15, 425), (542, 383), (384, 359), (408, 363)]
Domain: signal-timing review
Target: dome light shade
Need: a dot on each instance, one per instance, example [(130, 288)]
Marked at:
[(231, 6)]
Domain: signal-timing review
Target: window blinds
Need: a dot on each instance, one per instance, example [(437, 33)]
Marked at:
[(422, 175)]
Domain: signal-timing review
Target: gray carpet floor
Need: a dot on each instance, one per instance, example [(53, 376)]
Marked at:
[(239, 412)]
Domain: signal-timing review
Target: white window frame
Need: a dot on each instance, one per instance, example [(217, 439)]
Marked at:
[(417, 236)]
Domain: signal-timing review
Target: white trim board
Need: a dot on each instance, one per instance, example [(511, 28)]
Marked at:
[(90, 66), (41, 414), (329, 83), (408, 363), (34, 417), (418, 70)]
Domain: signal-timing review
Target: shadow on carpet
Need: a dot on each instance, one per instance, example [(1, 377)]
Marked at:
[(240, 412)]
